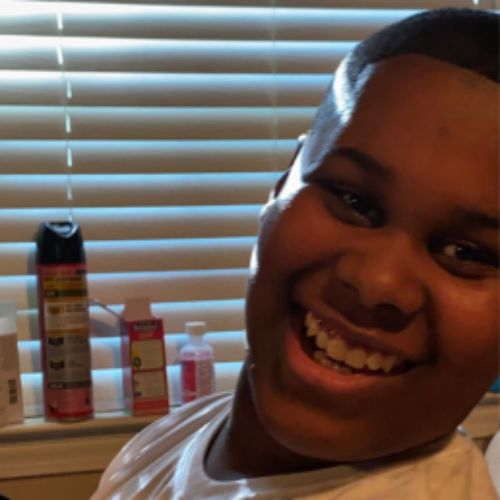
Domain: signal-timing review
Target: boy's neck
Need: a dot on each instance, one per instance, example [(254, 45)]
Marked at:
[(244, 449)]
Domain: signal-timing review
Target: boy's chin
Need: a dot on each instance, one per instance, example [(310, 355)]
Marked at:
[(307, 433), (315, 434)]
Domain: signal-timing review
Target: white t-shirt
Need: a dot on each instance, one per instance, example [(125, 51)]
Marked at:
[(165, 461)]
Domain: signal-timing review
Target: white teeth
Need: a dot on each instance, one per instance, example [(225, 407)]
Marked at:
[(356, 358), (312, 326), (337, 349), (321, 358), (388, 363), (309, 319), (312, 331), (344, 358), (374, 361), (322, 339)]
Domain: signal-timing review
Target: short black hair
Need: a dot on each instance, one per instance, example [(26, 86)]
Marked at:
[(464, 37)]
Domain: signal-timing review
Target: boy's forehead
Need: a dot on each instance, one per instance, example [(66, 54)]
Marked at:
[(416, 80), (405, 92)]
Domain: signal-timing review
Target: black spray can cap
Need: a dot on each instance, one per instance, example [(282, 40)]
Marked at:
[(59, 242)]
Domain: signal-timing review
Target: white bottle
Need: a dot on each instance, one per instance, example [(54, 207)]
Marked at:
[(11, 403), (197, 364)]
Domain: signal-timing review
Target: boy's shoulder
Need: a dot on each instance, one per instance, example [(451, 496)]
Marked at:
[(456, 470), (461, 468), (189, 417), (155, 450), (180, 424)]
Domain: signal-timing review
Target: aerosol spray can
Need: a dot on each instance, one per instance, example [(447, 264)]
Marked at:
[(64, 322)]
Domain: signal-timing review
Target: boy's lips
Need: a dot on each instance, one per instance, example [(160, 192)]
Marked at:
[(366, 340), (299, 365)]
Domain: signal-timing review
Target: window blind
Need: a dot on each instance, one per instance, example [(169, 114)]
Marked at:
[(161, 126)]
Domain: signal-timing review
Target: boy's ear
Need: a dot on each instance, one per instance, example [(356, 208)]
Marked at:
[(281, 181)]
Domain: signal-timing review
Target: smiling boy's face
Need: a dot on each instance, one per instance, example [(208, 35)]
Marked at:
[(386, 233)]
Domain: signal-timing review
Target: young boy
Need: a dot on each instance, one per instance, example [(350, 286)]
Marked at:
[(372, 306)]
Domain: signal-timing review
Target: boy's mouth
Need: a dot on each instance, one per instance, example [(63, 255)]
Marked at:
[(332, 349)]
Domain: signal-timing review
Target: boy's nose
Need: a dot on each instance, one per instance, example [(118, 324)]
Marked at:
[(384, 278)]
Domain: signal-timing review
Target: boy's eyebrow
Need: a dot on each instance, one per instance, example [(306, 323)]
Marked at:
[(364, 161), (476, 218)]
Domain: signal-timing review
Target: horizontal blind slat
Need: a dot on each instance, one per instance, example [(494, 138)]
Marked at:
[(24, 156), (170, 285), (136, 189), (22, 191), (140, 255), (28, 53), (27, 122), (162, 89), (149, 56), (137, 222), (195, 22), (363, 4), (113, 288), (45, 122), (131, 156)]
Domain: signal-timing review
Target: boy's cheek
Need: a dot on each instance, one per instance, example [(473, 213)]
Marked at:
[(297, 232), (468, 326), (284, 239)]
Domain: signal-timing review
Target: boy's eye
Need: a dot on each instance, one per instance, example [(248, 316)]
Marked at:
[(461, 251), (466, 259), (355, 208)]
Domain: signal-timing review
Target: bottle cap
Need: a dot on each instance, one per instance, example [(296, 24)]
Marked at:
[(59, 242), (196, 327)]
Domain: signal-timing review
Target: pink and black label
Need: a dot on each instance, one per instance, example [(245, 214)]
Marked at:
[(64, 324)]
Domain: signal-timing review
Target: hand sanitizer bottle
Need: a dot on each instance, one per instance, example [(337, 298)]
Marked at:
[(197, 364)]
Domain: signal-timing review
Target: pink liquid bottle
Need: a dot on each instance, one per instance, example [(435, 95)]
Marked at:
[(197, 363)]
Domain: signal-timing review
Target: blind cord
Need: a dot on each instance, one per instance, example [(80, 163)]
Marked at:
[(67, 95)]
